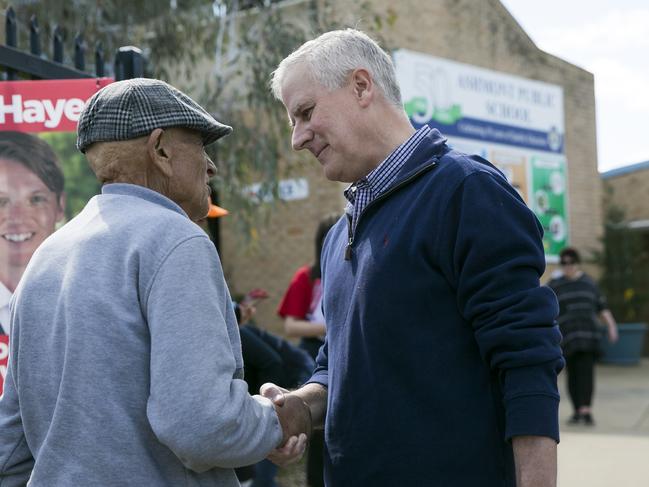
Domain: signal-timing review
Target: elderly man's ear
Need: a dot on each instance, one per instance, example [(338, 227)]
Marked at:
[(159, 149)]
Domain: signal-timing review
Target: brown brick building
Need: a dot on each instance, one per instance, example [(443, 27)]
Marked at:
[(627, 189), (479, 33)]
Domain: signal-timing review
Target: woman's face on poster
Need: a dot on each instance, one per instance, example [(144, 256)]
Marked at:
[(29, 211)]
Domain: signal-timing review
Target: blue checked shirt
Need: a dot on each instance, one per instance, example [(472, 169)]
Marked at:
[(367, 189)]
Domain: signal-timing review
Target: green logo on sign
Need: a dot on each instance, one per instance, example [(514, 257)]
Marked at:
[(418, 107)]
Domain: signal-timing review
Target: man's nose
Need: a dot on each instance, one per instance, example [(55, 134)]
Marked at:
[(301, 137)]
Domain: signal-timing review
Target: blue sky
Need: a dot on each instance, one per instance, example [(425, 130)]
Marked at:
[(609, 38)]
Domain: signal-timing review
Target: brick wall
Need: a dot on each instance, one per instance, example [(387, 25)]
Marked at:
[(630, 192), (284, 242)]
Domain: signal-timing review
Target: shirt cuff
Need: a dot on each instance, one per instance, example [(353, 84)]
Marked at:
[(276, 431), (319, 377), (532, 415)]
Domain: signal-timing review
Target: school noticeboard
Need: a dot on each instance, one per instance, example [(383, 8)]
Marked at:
[(48, 109), (515, 123)]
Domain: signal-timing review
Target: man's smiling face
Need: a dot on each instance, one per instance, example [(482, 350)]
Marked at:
[(29, 211), (327, 123)]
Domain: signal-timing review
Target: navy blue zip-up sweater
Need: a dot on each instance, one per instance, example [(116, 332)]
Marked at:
[(441, 345)]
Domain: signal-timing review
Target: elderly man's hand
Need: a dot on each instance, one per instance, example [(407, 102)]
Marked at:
[(295, 418)]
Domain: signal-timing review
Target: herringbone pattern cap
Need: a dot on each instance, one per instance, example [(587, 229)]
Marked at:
[(135, 107)]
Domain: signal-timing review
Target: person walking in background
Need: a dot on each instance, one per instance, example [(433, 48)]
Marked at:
[(32, 201), (580, 305), (301, 308), (441, 355)]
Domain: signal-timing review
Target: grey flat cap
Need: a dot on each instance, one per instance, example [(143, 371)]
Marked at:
[(135, 107)]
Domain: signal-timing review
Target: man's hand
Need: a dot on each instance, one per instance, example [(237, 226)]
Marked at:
[(536, 461), (295, 419), (294, 414), (291, 452)]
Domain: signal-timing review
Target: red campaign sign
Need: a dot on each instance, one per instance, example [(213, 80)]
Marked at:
[(4, 357), (45, 106)]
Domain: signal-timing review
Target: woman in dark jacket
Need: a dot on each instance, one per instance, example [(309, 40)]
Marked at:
[(580, 306)]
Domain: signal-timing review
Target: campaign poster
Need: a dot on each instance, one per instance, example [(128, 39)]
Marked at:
[(515, 123), (4, 357), (548, 177), (44, 179)]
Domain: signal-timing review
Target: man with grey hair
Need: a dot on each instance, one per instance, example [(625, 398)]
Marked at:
[(125, 364), (441, 356)]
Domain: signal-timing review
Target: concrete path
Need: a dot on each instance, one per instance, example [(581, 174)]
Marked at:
[(614, 452)]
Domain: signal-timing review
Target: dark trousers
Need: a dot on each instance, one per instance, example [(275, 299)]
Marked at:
[(315, 460), (580, 367), (315, 451)]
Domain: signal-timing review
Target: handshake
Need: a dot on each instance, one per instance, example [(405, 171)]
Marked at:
[(296, 422)]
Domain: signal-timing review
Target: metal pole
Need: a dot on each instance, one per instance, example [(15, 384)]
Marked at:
[(79, 52), (129, 63), (34, 38), (57, 45), (11, 37), (99, 59)]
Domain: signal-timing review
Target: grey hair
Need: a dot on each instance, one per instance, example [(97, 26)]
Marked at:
[(332, 56)]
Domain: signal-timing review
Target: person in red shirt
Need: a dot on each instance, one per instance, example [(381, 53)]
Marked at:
[(301, 305)]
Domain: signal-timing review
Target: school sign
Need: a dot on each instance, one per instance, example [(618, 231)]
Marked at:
[(516, 123)]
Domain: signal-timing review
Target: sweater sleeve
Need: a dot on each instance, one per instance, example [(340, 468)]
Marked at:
[(321, 372), (196, 405), (497, 260), (16, 460)]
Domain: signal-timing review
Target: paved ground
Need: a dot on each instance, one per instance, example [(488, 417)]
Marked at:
[(615, 452)]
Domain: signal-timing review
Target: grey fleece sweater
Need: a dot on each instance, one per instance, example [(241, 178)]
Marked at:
[(125, 363)]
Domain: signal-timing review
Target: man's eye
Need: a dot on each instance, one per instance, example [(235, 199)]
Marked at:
[(306, 114), (4, 202)]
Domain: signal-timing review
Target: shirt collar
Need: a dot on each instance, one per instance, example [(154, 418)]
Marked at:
[(5, 295), (382, 175), (144, 193)]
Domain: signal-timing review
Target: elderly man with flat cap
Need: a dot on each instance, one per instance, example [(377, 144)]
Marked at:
[(125, 365)]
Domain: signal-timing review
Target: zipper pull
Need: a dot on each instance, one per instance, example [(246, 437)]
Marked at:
[(350, 237)]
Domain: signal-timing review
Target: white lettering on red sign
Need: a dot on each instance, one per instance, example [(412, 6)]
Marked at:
[(47, 112), (4, 353)]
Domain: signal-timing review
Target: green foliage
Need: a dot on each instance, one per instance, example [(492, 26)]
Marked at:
[(80, 182), (625, 264), (256, 151), (259, 151), (221, 52)]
